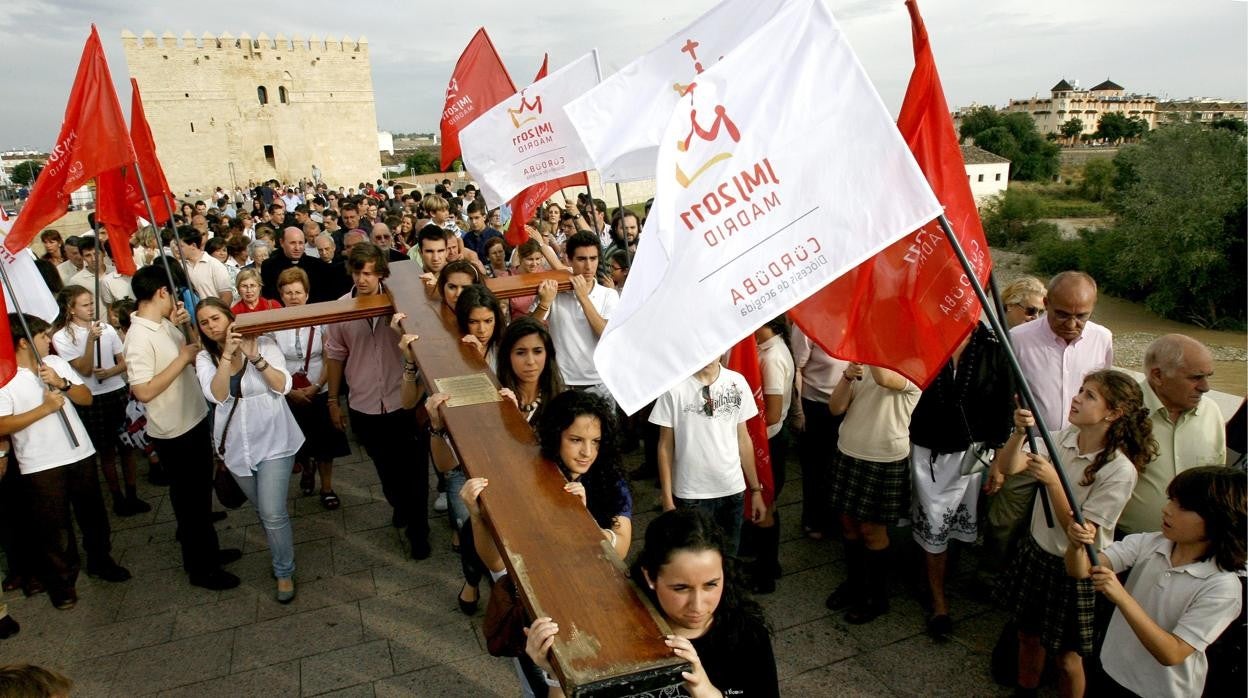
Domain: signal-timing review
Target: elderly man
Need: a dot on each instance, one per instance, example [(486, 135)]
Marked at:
[(383, 238), (1055, 353), (1187, 424), (291, 253), (325, 248)]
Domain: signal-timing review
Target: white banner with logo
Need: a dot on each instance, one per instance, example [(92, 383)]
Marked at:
[(527, 139), (622, 120), (779, 170), (32, 292)]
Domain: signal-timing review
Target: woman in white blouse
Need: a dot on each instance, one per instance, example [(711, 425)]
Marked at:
[(253, 431)]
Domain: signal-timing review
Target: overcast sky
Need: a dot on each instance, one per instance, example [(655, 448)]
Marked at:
[(987, 52)]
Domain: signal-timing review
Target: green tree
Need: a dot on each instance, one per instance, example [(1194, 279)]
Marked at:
[(1014, 137), (422, 162), (979, 119), (1098, 179), (1072, 128), (1009, 217), (1114, 127), (1232, 125), (1182, 212), (26, 171)]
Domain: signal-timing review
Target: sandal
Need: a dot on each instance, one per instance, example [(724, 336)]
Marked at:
[(329, 500), (307, 481)]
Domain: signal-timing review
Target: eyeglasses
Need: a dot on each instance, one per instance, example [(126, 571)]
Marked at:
[(708, 404), (1028, 310)]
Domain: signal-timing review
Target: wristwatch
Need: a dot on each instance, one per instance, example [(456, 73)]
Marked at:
[(66, 385)]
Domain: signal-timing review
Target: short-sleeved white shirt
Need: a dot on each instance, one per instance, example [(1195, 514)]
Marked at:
[(574, 339), (776, 364), (707, 460), (150, 347), (1196, 602), (208, 276), (877, 424), (1101, 502), (70, 343), (44, 445), (294, 346)]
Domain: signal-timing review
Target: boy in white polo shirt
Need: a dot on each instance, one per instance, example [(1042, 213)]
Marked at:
[(706, 458), (58, 475)]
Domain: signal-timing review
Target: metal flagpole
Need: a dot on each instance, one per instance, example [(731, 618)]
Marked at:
[(174, 244), (30, 339), (1028, 397), (95, 300)]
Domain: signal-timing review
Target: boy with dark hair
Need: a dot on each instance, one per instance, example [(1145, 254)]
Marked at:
[(161, 369), (58, 473)]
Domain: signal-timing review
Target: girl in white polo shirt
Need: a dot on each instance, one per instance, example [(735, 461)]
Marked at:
[(1183, 590)]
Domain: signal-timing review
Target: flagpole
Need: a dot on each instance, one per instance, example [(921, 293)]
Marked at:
[(1028, 397), (619, 200), (174, 244), (30, 340), (99, 250)]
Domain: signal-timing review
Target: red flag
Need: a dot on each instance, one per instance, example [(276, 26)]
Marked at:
[(93, 139), (145, 152), (8, 355), (526, 203), (478, 83), (908, 307), (115, 201), (743, 358)]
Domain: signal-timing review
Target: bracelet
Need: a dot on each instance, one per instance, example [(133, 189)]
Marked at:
[(756, 488), (543, 308), (549, 681), (261, 365), (611, 532)]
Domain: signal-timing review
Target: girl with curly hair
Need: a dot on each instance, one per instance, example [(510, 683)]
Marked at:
[(1109, 440)]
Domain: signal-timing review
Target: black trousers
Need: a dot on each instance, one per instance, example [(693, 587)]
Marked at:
[(52, 494), (817, 454), (18, 549), (400, 453), (188, 461)]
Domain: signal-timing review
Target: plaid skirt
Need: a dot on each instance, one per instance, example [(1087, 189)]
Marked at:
[(870, 491), (104, 416), (1046, 601)]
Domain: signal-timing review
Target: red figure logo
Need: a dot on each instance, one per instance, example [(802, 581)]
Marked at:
[(533, 108)]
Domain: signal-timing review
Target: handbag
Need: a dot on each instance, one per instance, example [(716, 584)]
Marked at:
[(299, 379), (505, 620), (228, 492)]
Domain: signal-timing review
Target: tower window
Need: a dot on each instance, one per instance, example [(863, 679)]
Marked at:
[(262, 93), (282, 95), (192, 127), (268, 156)]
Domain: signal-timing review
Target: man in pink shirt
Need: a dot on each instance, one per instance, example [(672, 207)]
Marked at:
[(366, 353), (1055, 353)]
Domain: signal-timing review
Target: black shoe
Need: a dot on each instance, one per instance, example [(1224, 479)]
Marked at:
[(226, 556), (109, 571), (122, 508), (65, 600), (217, 516), (866, 612), (8, 627), (940, 627), (138, 506), (421, 549), (33, 587), (216, 580), (841, 598), (468, 608)]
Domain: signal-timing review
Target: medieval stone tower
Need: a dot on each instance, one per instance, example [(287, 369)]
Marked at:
[(225, 111)]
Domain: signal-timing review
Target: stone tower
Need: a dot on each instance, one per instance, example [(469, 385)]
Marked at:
[(225, 111)]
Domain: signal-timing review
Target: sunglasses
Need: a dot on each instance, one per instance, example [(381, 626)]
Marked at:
[(1028, 310), (708, 404)]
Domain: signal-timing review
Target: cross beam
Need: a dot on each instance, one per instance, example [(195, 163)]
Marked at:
[(611, 638)]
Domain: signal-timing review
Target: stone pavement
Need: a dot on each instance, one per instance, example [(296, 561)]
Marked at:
[(369, 622)]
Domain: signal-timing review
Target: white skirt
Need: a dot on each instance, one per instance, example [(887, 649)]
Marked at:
[(944, 504)]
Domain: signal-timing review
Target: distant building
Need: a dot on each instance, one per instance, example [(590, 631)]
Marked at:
[(987, 172), (1067, 101), (1200, 111), (225, 111), (385, 142), (10, 159)]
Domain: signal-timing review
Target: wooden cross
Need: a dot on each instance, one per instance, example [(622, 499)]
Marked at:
[(611, 638)]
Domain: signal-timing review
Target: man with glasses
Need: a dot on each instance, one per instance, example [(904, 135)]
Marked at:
[(1055, 353), (383, 238), (706, 459)]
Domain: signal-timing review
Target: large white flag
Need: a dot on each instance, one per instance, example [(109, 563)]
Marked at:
[(527, 139), (622, 120), (32, 292), (780, 170)]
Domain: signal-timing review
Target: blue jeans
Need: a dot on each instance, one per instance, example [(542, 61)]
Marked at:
[(267, 489), (457, 510), (727, 512)]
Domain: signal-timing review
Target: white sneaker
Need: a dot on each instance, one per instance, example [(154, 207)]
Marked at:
[(440, 504)]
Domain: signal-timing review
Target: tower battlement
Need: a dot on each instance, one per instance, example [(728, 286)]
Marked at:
[(244, 43)]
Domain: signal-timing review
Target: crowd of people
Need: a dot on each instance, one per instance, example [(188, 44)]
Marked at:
[(142, 369)]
